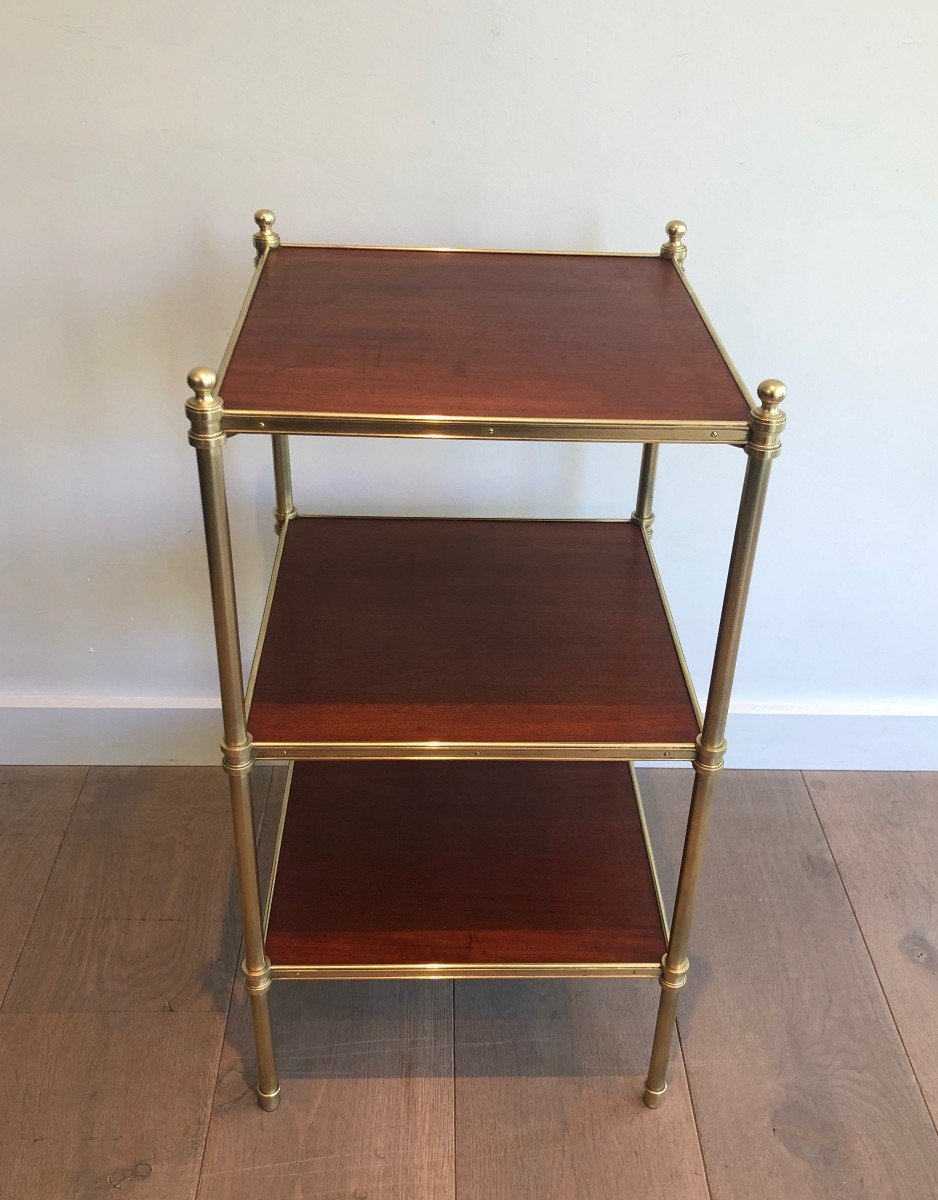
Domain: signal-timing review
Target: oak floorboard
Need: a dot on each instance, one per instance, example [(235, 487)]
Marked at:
[(800, 1083), (36, 804), (883, 831), (140, 910), (93, 1103), (367, 1108), (549, 1080)]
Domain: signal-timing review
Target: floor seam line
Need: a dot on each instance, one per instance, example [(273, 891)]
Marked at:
[(58, 851), (693, 1109)]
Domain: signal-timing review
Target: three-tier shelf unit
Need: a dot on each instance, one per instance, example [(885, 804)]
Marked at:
[(461, 701)]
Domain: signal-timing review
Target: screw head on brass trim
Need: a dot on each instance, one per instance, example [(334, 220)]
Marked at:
[(264, 219), (771, 392), (202, 381)]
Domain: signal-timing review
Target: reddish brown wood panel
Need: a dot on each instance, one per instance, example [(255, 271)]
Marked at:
[(514, 336), (440, 862), (392, 629)]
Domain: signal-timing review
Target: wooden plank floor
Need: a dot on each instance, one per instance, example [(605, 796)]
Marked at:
[(883, 834), (807, 1058)]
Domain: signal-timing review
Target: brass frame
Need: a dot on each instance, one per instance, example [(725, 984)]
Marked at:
[(211, 424), (720, 433)]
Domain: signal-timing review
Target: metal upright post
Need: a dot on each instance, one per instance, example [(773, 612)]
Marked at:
[(674, 250), (265, 240), (204, 410), (284, 510), (765, 426), (644, 513)]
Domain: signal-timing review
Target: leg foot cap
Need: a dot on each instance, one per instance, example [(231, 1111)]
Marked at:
[(652, 1098), (268, 1101)]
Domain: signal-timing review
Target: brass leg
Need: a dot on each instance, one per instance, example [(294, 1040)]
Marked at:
[(256, 965), (766, 424), (643, 514), (283, 481), (206, 435), (674, 965), (657, 1082)]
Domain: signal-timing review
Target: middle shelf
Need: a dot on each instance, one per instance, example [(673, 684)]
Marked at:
[(400, 637)]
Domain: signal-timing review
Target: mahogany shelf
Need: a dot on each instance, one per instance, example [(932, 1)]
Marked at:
[(486, 344), (445, 870), (389, 637)]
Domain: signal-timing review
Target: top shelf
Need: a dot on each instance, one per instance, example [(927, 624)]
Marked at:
[(479, 344)]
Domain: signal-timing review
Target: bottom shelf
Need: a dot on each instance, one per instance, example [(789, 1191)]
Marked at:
[(396, 869)]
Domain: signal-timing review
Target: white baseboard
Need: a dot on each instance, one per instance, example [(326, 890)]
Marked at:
[(165, 730)]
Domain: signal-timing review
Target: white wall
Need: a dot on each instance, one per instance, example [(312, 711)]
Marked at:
[(796, 140)]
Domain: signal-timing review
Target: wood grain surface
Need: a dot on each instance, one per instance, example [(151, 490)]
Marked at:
[(549, 1079), (486, 335), (36, 804), (800, 1083), (399, 629), (105, 1104), (140, 911), (367, 1109), (801, 1087), (883, 833), (483, 862)]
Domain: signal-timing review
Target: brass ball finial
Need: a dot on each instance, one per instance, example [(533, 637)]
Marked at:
[(771, 393), (265, 238), (674, 247), (202, 381), (767, 421)]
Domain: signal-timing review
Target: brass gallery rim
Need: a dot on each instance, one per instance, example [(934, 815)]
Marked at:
[(557, 751), (471, 971), (402, 425)]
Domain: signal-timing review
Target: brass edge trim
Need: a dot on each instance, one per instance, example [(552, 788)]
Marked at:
[(688, 682), (747, 395), (469, 970), (478, 250), (276, 859), (719, 433), (579, 751), (477, 520), (239, 323), (662, 911), (265, 617)]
